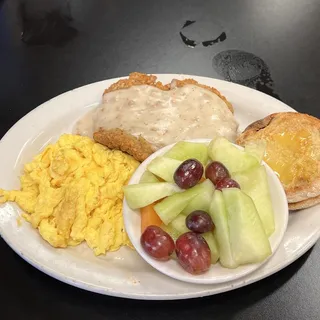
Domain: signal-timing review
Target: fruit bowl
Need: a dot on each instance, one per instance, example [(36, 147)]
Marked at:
[(216, 273)]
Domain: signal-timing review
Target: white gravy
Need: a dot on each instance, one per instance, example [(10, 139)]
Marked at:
[(162, 117)]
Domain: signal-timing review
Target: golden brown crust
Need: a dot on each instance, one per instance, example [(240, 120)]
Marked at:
[(303, 192), (304, 204), (258, 125), (119, 139), (254, 127), (136, 79)]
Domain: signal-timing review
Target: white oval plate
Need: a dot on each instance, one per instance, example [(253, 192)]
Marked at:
[(125, 273), (216, 274)]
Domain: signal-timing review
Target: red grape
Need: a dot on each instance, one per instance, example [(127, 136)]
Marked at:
[(157, 243), (193, 253), (227, 183), (216, 171), (199, 221), (188, 174)]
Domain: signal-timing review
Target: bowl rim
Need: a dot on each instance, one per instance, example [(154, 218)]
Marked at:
[(189, 277)]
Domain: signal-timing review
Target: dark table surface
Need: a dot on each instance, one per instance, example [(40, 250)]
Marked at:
[(49, 47)]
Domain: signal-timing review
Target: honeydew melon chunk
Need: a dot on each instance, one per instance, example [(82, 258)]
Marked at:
[(179, 224), (218, 213), (256, 149), (254, 182), (169, 208), (212, 243), (184, 150), (143, 194), (171, 231), (201, 201), (174, 234), (234, 159), (148, 177), (248, 240), (164, 168)]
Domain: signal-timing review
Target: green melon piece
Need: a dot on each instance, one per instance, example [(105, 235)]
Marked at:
[(184, 150), (171, 231), (213, 245), (202, 201), (256, 149), (179, 224), (143, 194), (254, 182), (148, 177), (219, 217), (164, 168), (234, 159), (169, 208), (248, 240)]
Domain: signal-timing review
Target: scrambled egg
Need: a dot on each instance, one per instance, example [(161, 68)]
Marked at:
[(72, 192)]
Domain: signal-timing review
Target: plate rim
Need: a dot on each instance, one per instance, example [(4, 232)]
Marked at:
[(141, 296)]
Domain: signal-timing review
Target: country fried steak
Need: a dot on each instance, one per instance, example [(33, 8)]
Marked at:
[(137, 146)]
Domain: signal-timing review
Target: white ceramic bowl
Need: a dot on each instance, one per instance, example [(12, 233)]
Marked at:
[(216, 274)]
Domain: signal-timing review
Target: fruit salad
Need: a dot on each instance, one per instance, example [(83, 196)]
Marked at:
[(205, 204)]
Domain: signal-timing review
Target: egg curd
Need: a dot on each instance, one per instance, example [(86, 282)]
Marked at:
[(72, 192)]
